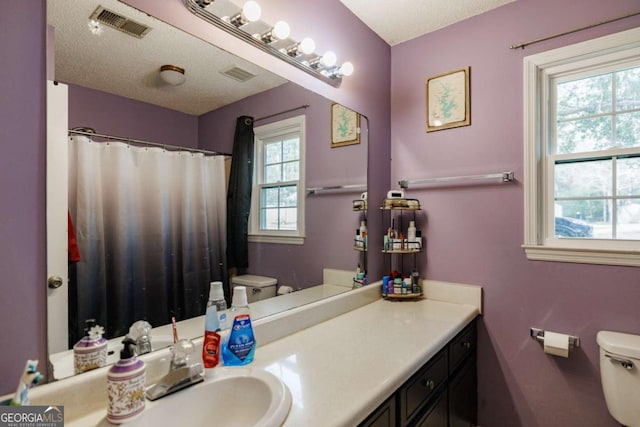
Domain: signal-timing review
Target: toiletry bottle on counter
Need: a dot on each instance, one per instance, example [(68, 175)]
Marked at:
[(211, 341), (239, 347), (125, 385), (91, 351), (216, 297)]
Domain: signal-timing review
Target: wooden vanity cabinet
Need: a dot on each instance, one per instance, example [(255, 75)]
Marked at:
[(443, 393)]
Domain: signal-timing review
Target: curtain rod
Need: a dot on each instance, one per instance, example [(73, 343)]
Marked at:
[(575, 30), (90, 132), (282, 112)]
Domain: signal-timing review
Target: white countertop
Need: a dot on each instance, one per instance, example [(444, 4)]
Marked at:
[(339, 371)]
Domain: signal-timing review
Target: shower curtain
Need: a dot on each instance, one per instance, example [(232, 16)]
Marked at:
[(151, 229)]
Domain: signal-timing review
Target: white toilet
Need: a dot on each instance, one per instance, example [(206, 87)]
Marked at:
[(258, 287), (620, 374)]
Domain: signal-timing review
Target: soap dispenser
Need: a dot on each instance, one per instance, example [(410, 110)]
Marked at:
[(91, 351), (125, 385)]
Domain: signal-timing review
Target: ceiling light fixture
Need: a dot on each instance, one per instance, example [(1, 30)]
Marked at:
[(297, 54), (172, 75)]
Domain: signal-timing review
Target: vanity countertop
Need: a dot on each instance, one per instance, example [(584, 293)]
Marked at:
[(339, 371)]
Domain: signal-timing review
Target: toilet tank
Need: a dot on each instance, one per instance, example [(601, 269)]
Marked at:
[(620, 375), (258, 287)]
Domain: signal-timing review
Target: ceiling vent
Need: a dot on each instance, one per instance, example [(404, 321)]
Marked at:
[(119, 22), (239, 74)]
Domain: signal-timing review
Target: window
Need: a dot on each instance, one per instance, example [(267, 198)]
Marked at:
[(582, 152), (277, 205)]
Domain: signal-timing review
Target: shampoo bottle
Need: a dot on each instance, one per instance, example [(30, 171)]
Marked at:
[(125, 385), (363, 234), (240, 345)]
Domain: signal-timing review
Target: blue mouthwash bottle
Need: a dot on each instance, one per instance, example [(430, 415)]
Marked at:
[(240, 345)]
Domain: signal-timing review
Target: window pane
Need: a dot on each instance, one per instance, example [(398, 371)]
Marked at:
[(273, 152), (269, 197), (628, 226), (291, 171), (584, 97), (583, 218), (584, 179), (628, 129), (288, 218), (578, 136), (291, 150), (628, 179), (273, 173), (288, 196), (269, 219), (628, 89)]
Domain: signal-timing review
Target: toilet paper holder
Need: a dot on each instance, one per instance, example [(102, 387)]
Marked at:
[(538, 335)]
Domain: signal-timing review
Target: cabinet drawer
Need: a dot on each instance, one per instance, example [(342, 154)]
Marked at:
[(422, 386), (462, 346)]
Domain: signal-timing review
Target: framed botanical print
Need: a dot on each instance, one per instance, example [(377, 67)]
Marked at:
[(345, 126), (448, 100)]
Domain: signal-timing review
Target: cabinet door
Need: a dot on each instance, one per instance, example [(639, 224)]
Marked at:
[(420, 388), (384, 416), (463, 396), (436, 416)]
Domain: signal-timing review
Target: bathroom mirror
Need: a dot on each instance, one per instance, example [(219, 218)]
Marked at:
[(103, 77)]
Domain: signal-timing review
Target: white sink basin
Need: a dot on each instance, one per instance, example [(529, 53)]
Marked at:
[(234, 397)]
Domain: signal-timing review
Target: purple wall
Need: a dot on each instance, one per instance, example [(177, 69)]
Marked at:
[(366, 91), (474, 233), (116, 115), (329, 232), (22, 189)]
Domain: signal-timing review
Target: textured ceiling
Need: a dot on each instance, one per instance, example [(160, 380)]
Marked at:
[(402, 20), (117, 63)]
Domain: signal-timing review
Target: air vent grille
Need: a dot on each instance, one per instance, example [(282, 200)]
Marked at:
[(238, 74), (119, 22)]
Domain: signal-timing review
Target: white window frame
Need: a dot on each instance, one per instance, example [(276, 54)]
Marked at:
[(263, 133), (539, 72)]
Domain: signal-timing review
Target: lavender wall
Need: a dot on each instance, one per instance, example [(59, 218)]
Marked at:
[(330, 222), (333, 26), (22, 189), (474, 233), (116, 115)]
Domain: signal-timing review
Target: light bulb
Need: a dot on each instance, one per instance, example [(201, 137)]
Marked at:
[(346, 69), (95, 27), (329, 59), (251, 11), (281, 30), (307, 46)]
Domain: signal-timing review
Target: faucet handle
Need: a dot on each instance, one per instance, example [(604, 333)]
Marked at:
[(140, 332), (181, 352)]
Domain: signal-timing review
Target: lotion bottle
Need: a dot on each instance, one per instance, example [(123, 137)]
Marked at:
[(411, 236), (240, 345), (125, 385)]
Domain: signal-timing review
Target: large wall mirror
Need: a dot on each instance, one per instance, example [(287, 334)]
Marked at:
[(113, 86)]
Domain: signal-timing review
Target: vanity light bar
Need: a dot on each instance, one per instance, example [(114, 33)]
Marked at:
[(197, 7)]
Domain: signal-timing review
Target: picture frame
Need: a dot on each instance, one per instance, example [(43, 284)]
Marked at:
[(345, 126), (448, 100)]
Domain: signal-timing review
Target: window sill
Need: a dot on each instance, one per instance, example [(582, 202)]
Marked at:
[(283, 240), (583, 256)]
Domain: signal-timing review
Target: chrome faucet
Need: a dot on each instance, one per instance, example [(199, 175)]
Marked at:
[(140, 332), (181, 374)]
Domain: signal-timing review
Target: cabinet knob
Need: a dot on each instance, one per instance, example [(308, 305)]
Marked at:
[(430, 384), (466, 344)]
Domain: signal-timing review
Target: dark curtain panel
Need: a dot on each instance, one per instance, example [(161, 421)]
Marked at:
[(239, 196)]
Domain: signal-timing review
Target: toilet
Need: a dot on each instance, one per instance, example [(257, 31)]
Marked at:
[(620, 375), (258, 287)]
